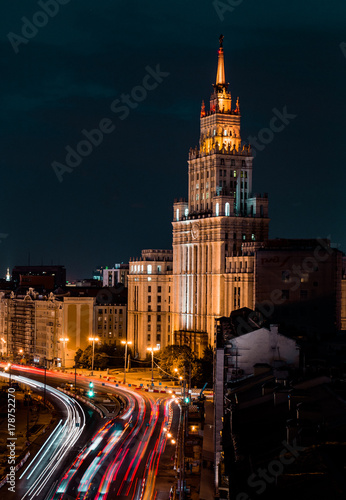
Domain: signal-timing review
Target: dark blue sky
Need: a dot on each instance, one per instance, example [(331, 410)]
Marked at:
[(119, 199)]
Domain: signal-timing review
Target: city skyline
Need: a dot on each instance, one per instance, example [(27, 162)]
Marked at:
[(65, 79)]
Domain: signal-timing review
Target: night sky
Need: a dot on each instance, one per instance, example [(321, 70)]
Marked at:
[(118, 200)]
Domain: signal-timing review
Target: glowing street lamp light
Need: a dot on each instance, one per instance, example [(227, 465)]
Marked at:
[(8, 367), (93, 340), (126, 343), (64, 340), (152, 349)]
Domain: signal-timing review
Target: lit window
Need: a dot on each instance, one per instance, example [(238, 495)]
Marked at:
[(214, 131), (244, 237), (234, 173), (225, 132), (186, 212), (253, 237), (177, 214), (227, 210), (149, 268), (158, 269), (197, 197), (197, 186), (207, 196), (217, 210), (149, 278)]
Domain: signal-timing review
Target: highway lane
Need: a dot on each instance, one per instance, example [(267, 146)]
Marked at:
[(122, 459), (34, 479)]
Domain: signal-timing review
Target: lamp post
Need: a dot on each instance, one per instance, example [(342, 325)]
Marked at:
[(64, 340), (3, 345), (152, 349), (126, 343), (8, 367), (93, 340)]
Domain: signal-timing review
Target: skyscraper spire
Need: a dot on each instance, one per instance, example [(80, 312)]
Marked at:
[(220, 75)]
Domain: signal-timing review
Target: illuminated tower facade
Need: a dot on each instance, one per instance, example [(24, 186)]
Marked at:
[(217, 228)]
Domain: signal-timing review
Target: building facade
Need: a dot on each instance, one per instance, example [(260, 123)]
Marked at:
[(150, 301), (115, 276), (221, 214), (222, 258)]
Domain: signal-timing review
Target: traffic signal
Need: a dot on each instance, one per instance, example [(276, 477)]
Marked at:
[(187, 400), (91, 389)]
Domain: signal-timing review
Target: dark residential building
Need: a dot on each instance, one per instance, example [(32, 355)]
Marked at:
[(37, 276), (298, 285)]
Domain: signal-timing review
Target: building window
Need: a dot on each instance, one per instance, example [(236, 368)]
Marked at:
[(149, 318), (168, 338), (227, 210), (244, 237), (286, 276), (225, 132), (100, 311), (149, 289), (158, 308), (186, 213), (149, 298), (197, 198), (159, 298), (158, 328), (253, 237), (217, 208), (148, 337), (149, 269), (120, 311), (243, 163), (149, 328), (169, 319), (159, 318), (158, 337), (234, 173), (149, 307), (232, 163), (158, 269)]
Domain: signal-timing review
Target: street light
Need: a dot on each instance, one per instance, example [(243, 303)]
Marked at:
[(93, 340), (3, 346), (125, 343), (64, 340), (8, 367), (152, 349)]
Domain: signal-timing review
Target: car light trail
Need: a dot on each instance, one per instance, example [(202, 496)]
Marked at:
[(58, 444)]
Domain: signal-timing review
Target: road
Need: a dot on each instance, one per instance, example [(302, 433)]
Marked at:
[(122, 458), (33, 480)]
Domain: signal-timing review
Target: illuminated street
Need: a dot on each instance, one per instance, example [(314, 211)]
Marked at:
[(122, 457)]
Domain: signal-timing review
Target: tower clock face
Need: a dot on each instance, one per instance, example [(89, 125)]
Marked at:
[(195, 231)]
